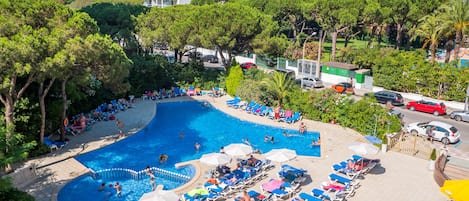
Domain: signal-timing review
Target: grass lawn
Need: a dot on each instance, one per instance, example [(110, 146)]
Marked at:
[(326, 55)]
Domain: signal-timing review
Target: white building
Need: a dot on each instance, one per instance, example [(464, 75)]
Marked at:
[(164, 3)]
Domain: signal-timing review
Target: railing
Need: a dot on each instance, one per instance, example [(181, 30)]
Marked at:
[(123, 173), (438, 173), (410, 145)]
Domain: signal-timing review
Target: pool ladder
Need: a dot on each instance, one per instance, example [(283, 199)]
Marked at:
[(124, 173)]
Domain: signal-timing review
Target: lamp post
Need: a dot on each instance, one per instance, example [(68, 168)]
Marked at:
[(303, 55), (318, 62)]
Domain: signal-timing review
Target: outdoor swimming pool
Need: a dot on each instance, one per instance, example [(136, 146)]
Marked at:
[(199, 123)]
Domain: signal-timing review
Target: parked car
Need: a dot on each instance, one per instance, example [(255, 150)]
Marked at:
[(289, 73), (387, 97), (427, 106), (248, 65), (192, 55), (210, 58), (312, 82), (460, 115), (343, 87), (443, 132)]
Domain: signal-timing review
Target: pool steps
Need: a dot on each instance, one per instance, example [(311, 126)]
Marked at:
[(123, 173)]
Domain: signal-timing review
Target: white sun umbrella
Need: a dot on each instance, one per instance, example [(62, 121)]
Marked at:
[(280, 155), (160, 195), (215, 159), (238, 149), (363, 148)]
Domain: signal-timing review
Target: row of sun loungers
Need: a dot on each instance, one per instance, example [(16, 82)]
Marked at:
[(342, 182), (252, 107), (229, 183)]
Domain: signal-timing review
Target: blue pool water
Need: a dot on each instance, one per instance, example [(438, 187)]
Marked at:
[(199, 123)]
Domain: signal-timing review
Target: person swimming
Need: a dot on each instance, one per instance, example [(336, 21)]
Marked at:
[(163, 158), (246, 141), (268, 138)]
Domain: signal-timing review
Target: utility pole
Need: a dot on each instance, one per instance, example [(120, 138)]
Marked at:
[(467, 97)]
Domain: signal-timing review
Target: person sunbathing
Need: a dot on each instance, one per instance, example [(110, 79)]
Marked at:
[(213, 180)]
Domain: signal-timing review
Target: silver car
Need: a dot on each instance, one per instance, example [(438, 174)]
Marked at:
[(460, 115), (312, 82)]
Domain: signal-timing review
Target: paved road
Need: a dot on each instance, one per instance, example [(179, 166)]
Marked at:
[(414, 116)]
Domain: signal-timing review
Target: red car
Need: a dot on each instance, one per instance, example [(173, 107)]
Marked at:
[(248, 65), (427, 106)]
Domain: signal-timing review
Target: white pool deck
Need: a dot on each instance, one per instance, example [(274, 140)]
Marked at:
[(400, 177)]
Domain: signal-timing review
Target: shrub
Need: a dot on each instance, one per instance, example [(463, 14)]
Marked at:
[(233, 81), (433, 154), (385, 139)]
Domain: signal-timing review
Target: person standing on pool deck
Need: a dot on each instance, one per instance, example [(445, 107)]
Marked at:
[(119, 126)]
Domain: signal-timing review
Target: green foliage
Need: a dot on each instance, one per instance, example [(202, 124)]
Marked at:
[(384, 140), (433, 154), (9, 193), (233, 81), (13, 147), (116, 20), (278, 84)]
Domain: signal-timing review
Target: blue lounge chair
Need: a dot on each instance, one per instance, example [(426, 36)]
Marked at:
[(191, 91), (233, 100), (259, 110), (253, 108), (308, 197), (176, 91), (340, 179), (320, 194), (267, 111), (53, 145), (287, 167), (240, 104), (250, 105), (296, 117)]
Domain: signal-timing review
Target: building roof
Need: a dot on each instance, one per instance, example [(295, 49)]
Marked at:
[(340, 65)]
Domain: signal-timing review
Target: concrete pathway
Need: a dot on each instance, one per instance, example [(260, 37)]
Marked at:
[(400, 177)]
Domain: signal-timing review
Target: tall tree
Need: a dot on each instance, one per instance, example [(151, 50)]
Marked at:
[(429, 30), (336, 17), (172, 25), (65, 25), (94, 57), (456, 16), (117, 21)]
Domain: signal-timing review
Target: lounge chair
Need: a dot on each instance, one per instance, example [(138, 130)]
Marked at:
[(320, 194), (240, 104), (287, 114), (267, 111), (191, 91), (235, 99), (260, 110), (176, 92), (234, 102), (296, 117), (308, 197), (53, 145), (340, 179)]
